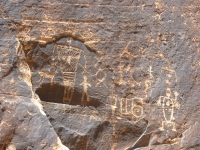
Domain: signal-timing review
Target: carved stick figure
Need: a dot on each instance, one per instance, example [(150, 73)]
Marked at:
[(149, 81), (168, 103), (85, 88)]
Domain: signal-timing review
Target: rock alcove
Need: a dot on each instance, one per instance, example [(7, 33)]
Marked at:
[(59, 73)]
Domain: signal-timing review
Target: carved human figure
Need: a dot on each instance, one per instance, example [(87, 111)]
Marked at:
[(168, 103), (85, 89), (150, 80)]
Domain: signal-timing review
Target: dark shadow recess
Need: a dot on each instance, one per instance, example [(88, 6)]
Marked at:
[(54, 93)]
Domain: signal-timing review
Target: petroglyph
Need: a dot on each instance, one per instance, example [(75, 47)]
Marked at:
[(100, 74), (112, 102), (128, 80), (131, 106), (149, 82), (127, 55), (168, 103), (85, 89), (98, 71), (126, 106), (67, 54), (67, 57), (68, 93)]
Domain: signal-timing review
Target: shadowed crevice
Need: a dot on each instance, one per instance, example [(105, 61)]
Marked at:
[(54, 93)]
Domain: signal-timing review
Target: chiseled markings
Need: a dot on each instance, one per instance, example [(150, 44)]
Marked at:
[(69, 57)]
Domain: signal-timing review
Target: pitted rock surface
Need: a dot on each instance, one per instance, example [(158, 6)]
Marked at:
[(99, 74)]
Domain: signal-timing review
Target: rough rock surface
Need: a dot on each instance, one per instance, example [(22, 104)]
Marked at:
[(99, 74)]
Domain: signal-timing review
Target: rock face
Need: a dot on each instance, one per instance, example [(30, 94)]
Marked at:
[(99, 75)]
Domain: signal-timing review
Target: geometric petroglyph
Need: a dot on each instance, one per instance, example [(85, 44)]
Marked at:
[(98, 70), (131, 106), (127, 106), (100, 74), (69, 78), (67, 57)]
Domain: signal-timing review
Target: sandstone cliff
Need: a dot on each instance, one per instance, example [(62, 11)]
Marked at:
[(99, 74)]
